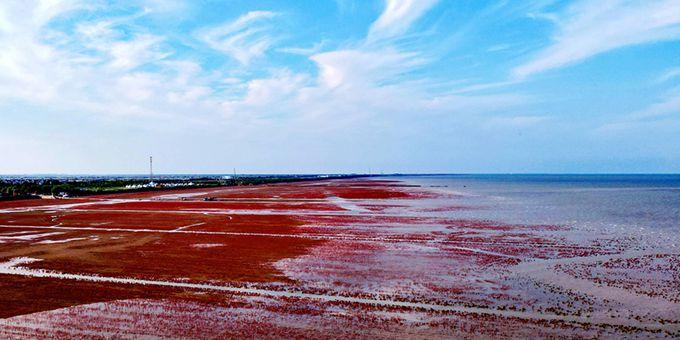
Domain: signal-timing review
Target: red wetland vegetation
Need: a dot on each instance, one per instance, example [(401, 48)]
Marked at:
[(348, 258)]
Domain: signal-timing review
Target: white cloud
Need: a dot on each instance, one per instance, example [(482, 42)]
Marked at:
[(588, 28), (143, 49), (374, 65), (666, 109), (668, 75), (269, 92), (96, 71), (244, 39), (398, 17), (166, 6), (364, 82), (316, 48), (368, 67), (46, 10), (668, 106), (26, 64)]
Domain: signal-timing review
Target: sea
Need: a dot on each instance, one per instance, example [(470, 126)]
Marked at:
[(642, 204)]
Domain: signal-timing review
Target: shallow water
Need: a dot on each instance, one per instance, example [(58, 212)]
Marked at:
[(643, 203)]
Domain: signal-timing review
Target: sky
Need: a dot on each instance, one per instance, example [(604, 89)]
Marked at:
[(339, 86)]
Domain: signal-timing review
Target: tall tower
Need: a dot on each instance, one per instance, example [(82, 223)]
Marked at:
[(150, 169)]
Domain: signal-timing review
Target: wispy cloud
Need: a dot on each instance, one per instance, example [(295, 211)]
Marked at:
[(669, 74), (361, 82), (306, 51), (359, 67), (141, 50), (245, 38), (174, 7), (95, 71), (353, 83), (372, 63), (588, 28), (668, 106), (398, 17), (665, 109)]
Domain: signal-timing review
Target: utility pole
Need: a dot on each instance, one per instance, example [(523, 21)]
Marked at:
[(150, 169)]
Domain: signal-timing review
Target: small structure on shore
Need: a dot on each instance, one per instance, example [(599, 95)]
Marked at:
[(151, 182)]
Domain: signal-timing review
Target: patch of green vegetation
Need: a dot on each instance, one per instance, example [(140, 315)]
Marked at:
[(36, 187)]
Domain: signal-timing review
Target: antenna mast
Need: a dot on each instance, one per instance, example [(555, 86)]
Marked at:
[(150, 169)]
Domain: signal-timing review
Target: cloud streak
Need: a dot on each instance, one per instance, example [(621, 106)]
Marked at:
[(398, 17), (246, 38), (589, 28)]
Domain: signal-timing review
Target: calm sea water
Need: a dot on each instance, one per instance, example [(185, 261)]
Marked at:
[(648, 203)]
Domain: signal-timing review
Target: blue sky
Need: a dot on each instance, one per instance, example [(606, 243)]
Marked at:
[(340, 86)]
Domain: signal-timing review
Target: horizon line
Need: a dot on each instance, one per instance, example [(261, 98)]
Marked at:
[(342, 174)]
